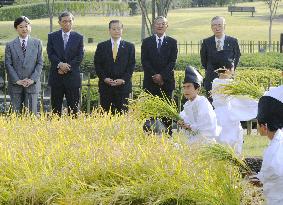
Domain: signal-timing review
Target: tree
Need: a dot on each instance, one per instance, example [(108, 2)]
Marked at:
[(272, 6), (50, 9), (146, 22), (161, 7)]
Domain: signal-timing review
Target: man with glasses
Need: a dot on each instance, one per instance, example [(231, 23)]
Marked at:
[(65, 51), (158, 57), (216, 49)]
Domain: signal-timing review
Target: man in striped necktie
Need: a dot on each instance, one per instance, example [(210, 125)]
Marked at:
[(23, 62)]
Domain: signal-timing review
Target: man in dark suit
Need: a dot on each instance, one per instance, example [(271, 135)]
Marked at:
[(114, 62), (216, 48), (65, 51), (158, 56)]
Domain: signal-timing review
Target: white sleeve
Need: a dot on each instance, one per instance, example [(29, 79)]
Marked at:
[(272, 165), (242, 108), (184, 117), (206, 123)]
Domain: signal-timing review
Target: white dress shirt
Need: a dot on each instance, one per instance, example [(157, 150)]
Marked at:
[(26, 41), (118, 42), (221, 41), (68, 35), (157, 41)]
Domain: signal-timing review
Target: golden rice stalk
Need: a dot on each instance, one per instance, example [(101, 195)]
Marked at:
[(243, 87), (225, 153), (148, 105)]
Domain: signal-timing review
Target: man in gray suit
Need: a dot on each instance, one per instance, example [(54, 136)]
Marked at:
[(23, 61)]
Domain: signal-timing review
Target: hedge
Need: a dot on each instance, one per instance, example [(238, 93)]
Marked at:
[(39, 10), (255, 60)]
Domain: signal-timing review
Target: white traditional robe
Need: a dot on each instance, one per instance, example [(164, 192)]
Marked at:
[(271, 173), (201, 117), (230, 110), (275, 92)]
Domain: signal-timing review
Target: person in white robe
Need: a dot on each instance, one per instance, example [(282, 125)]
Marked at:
[(198, 114), (270, 123), (230, 110)]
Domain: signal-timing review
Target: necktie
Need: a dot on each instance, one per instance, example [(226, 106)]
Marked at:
[(24, 47), (218, 45), (115, 50), (65, 39), (159, 45)]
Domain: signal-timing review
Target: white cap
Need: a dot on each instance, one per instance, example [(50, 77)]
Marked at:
[(275, 92)]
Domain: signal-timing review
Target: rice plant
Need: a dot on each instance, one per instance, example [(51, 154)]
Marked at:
[(105, 159)]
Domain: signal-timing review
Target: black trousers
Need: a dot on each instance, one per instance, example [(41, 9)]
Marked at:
[(72, 96), (209, 96), (115, 102)]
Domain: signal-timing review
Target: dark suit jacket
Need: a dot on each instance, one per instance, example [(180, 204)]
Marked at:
[(162, 63), (122, 68), (73, 55), (210, 56)]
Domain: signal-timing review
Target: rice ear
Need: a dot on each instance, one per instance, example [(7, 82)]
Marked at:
[(242, 87), (225, 153)]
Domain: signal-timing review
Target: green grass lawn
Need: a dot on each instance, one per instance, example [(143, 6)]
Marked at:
[(184, 24), (254, 145)]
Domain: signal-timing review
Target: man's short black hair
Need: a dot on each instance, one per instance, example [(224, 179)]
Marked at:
[(19, 20), (196, 85), (115, 21)]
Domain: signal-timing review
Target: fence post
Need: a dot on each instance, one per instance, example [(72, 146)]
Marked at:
[(186, 47), (249, 127), (140, 85), (5, 92), (42, 93), (179, 93), (281, 42), (88, 94), (81, 88)]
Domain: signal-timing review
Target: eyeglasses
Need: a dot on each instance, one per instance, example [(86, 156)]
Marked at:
[(160, 24), (217, 25), (67, 21)]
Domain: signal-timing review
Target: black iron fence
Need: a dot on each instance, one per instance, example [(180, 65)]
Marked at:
[(86, 98), (190, 47)]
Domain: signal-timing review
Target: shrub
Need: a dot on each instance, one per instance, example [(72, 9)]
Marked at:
[(39, 10), (255, 60), (265, 76), (271, 59)]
